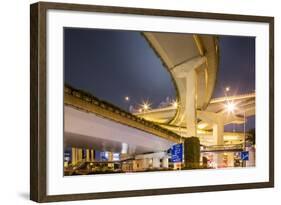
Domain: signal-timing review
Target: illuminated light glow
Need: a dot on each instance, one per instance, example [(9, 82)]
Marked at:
[(227, 89), (127, 98), (202, 125), (175, 104), (230, 107), (146, 106)]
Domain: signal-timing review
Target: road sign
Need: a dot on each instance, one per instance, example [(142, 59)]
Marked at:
[(244, 155), (176, 153)]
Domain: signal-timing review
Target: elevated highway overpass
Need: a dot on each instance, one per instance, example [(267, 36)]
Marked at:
[(191, 60), (216, 112), (95, 124)]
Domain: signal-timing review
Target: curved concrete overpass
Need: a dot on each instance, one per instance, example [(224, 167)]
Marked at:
[(244, 103), (192, 61), (211, 121)]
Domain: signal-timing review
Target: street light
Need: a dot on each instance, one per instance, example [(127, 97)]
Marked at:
[(230, 107), (145, 105), (127, 98)]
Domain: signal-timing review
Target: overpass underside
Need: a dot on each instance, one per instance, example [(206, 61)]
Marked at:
[(94, 124)]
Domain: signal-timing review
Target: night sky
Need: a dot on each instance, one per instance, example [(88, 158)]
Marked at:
[(114, 64)]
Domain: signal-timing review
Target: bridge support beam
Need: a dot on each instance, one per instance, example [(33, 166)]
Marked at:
[(88, 155), (218, 130), (80, 155), (92, 155), (191, 118), (187, 71), (73, 156)]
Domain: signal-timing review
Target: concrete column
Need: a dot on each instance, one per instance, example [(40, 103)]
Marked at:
[(190, 107), (165, 162), (218, 131), (110, 156), (124, 151), (77, 154), (156, 162), (187, 70), (73, 156), (125, 148), (92, 155), (80, 155), (88, 155)]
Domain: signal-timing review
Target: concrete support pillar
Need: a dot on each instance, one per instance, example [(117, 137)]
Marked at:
[(165, 162), (124, 151), (110, 156), (191, 88), (92, 155), (218, 131), (73, 156), (187, 71), (156, 162), (79, 155), (88, 155)]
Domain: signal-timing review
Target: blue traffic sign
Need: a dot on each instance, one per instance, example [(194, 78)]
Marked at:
[(176, 153), (244, 155)]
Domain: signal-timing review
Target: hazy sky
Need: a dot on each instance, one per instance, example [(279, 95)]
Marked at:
[(114, 64)]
